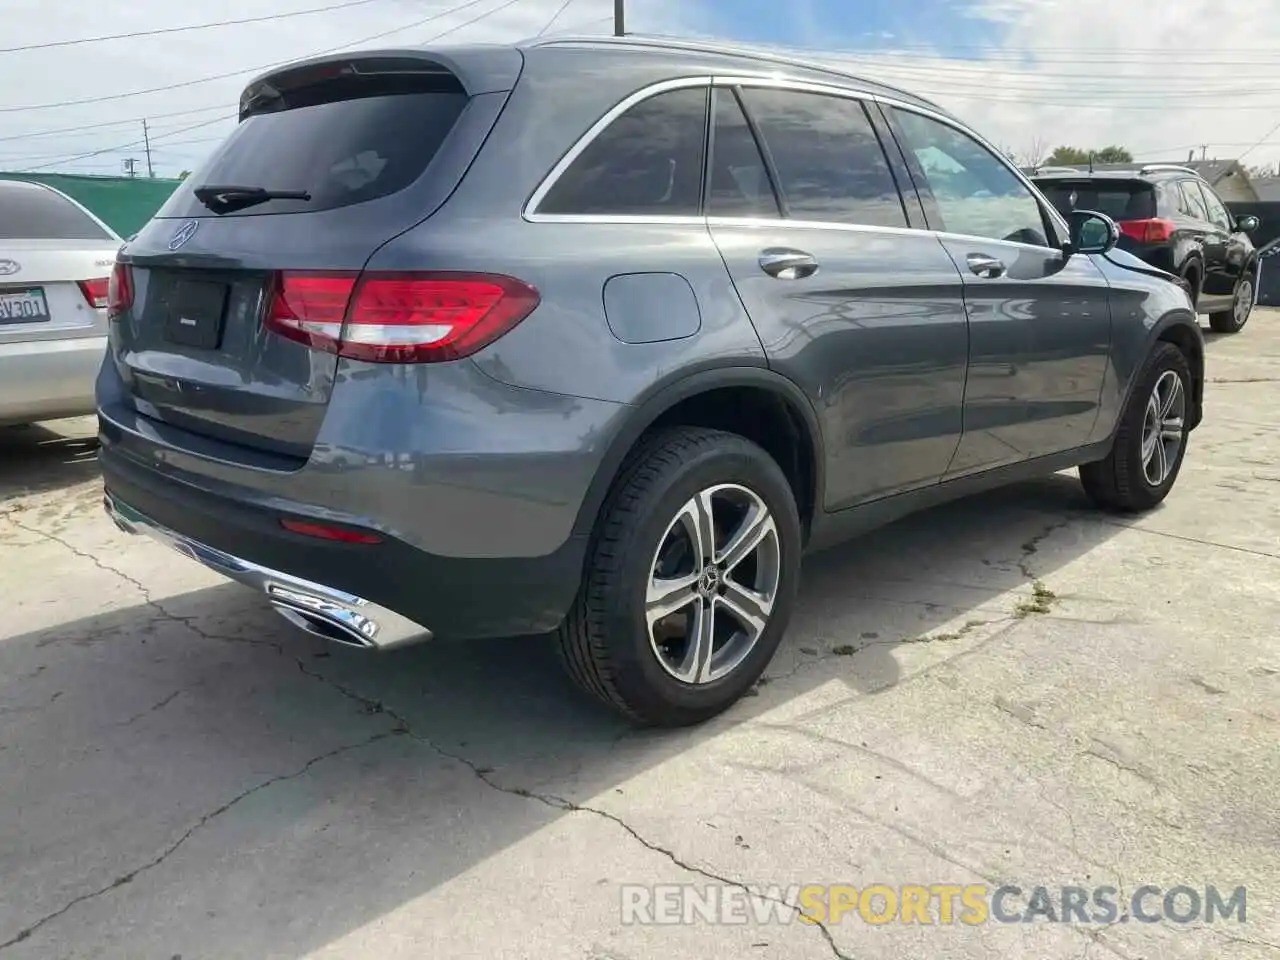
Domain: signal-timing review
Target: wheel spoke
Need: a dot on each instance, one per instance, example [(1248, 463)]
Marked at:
[(1150, 440), (695, 666), (1161, 464), (749, 608), (699, 522), (1173, 396), (1171, 429), (667, 596), (755, 527)]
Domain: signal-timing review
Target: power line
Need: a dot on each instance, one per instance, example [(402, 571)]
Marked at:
[(110, 123), (161, 31), (556, 16), (256, 69), (1265, 137), (123, 146)]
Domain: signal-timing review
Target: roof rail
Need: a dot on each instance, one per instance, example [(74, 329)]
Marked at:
[(1049, 168), (744, 50), (1167, 168)]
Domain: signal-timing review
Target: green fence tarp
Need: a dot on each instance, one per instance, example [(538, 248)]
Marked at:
[(123, 203)]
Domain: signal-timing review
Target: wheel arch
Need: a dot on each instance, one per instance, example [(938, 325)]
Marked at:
[(694, 395), (1188, 338)]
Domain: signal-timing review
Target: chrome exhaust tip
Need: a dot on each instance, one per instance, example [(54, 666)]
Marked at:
[(319, 626)]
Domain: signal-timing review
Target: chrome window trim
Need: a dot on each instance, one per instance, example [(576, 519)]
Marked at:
[(530, 211)]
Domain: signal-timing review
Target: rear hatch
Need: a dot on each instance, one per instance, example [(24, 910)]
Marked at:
[(1129, 202), (54, 263), (330, 160)]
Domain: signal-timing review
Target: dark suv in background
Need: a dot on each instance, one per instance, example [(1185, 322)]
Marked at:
[(598, 337), (1170, 217)]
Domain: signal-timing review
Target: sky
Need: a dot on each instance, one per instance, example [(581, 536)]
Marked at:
[(1164, 78)]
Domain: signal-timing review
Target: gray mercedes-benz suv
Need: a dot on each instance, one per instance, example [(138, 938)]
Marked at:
[(598, 337)]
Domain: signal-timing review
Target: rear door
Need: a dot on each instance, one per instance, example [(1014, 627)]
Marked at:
[(1039, 321), (1211, 239), (861, 310), (55, 259), (1222, 276), (368, 147)]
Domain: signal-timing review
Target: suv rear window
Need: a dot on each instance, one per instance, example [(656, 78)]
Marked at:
[(1126, 200), (29, 212), (368, 142)]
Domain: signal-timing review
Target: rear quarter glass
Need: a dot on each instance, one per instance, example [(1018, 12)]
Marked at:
[(341, 152)]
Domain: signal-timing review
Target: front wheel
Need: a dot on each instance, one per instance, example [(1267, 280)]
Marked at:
[(692, 576), (1151, 440), (1233, 320)]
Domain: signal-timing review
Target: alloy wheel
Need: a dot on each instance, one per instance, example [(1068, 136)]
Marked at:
[(1243, 305), (1163, 427), (713, 583)]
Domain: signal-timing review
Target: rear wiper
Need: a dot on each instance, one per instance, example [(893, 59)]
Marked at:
[(227, 199)]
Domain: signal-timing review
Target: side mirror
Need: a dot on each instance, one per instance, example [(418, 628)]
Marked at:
[(1092, 232), (1248, 223)]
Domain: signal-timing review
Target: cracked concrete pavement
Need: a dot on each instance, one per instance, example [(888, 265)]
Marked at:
[(1011, 689)]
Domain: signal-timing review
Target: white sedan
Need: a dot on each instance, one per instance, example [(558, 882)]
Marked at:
[(55, 264)]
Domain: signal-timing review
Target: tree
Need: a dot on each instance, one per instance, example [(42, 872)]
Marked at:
[(1075, 156), (1033, 156), (184, 174)]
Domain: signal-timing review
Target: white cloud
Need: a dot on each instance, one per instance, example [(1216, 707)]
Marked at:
[(1161, 78), (1153, 75)]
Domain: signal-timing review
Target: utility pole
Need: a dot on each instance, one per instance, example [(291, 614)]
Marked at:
[(619, 18), (129, 163), (146, 139), (1204, 150)]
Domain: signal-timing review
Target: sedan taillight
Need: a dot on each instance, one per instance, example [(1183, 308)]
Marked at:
[(95, 292), (119, 290), (398, 318)]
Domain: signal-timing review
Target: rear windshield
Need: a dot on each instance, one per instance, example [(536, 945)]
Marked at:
[(1126, 200), (340, 152), (33, 213)]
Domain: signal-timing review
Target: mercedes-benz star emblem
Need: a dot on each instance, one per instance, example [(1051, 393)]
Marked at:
[(185, 233), (9, 267)]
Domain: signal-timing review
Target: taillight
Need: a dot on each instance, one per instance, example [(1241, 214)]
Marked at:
[(399, 318), (119, 290), (1156, 230), (96, 292)]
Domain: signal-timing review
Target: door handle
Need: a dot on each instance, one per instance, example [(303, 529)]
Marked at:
[(784, 263), (984, 266)]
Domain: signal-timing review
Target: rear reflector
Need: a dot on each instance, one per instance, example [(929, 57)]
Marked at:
[(119, 290), (398, 318), (1148, 231), (96, 292), (324, 531)]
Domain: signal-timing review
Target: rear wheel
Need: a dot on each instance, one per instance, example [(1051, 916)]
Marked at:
[(1151, 440), (1192, 278), (693, 572), (1233, 320)]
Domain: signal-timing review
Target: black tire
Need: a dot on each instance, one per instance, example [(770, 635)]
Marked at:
[(1119, 482), (1229, 321), (604, 642)]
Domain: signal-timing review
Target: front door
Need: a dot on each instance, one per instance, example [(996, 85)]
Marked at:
[(865, 314), (1224, 273), (1039, 321)]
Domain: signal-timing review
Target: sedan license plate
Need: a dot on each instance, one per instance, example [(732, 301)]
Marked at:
[(23, 306)]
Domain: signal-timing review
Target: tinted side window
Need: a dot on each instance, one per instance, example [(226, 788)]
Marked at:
[(829, 162), (976, 193), (1193, 201), (34, 213), (646, 162), (1218, 215), (739, 185)]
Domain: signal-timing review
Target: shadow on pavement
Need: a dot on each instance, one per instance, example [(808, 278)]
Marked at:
[(194, 772), (40, 457)]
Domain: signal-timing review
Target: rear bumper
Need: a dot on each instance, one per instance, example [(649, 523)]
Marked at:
[(316, 608), (405, 591), (48, 379)]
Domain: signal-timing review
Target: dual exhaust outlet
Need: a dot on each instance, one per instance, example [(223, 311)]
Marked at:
[(319, 610)]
